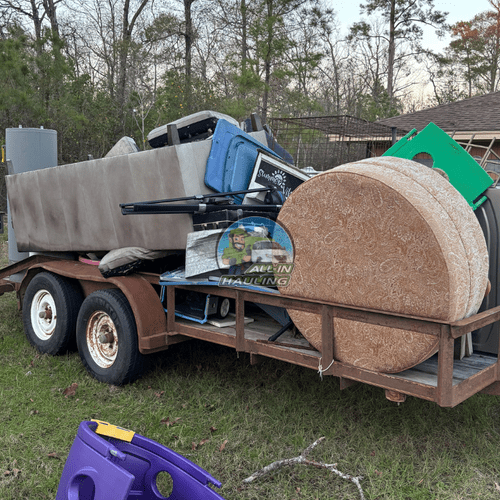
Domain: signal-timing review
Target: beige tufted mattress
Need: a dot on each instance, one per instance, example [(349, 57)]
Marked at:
[(387, 234)]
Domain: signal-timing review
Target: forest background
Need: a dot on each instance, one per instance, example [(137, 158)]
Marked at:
[(98, 70)]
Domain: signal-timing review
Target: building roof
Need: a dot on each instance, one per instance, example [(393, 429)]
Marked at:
[(478, 115)]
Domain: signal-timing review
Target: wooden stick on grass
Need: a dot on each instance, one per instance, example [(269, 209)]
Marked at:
[(303, 460)]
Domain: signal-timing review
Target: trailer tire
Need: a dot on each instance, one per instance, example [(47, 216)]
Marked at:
[(50, 310), (223, 307), (106, 335)]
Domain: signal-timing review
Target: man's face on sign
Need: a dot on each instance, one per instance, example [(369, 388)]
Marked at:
[(239, 241)]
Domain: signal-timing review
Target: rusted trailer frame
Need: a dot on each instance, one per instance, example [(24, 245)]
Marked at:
[(441, 379), (138, 288), (446, 386)]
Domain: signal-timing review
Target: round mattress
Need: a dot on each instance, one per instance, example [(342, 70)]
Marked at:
[(386, 234), (460, 213)]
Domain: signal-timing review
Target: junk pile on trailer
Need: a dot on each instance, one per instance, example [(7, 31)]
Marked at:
[(373, 271)]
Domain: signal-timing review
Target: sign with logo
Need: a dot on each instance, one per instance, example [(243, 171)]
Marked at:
[(271, 172), (255, 251)]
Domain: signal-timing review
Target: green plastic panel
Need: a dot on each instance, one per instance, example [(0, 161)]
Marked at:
[(464, 173)]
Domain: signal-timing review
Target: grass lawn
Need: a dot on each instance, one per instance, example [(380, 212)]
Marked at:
[(233, 419)]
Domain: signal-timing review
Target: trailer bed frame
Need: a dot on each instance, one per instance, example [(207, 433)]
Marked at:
[(441, 379)]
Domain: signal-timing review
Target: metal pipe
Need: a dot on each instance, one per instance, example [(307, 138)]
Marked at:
[(143, 209)]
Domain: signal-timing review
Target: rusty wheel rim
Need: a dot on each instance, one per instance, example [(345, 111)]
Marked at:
[(43, 314), (102, 339)]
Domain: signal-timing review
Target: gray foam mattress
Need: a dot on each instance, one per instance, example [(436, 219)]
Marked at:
[(76, 207)]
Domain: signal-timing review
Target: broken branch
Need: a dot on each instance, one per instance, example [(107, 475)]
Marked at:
[(302, 460)]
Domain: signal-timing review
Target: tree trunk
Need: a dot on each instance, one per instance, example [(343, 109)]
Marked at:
[(188, 36), (50, 10), (267, 59), (469, 73), (392, 51), (126, 37), (123, 51), (244, 48), (494, 65)]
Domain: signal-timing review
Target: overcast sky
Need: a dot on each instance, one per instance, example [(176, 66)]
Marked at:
[(459, 10)]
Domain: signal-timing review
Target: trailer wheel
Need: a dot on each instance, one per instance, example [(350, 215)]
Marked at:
[(106, 335), (50, 310), (223, 307)]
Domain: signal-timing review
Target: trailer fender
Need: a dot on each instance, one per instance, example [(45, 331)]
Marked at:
[(148, 310), (145, 302)]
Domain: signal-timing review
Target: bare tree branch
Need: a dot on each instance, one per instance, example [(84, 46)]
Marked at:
[(302, 460)]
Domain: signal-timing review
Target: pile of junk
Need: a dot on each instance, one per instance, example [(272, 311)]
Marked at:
[(349, 227), (203, 173)]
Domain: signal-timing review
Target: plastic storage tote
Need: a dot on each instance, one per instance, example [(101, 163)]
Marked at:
[(232, 159)]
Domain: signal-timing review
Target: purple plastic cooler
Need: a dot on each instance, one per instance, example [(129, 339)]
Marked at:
[(107, 462)]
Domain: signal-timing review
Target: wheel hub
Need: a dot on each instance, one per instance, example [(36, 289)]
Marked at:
[(43, 314), (224, 307), (102, 339)]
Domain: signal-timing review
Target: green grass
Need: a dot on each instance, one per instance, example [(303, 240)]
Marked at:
[(266, 412)]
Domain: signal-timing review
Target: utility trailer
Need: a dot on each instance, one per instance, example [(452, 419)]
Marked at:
[(418, 226), (121, 319)]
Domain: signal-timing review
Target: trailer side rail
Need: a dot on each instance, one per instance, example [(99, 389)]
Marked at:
[(442, 379)]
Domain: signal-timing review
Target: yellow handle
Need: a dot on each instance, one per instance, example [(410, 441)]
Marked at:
[(110, 430)]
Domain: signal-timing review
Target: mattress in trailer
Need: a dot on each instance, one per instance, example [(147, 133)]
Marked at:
[(76, 207)]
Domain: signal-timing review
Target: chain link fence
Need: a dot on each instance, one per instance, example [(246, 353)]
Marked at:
[(324, 142)]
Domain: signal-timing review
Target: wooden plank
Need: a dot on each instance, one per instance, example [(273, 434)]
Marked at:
[(459, 328), (227, 337), (438, 379), (170, 309), (462, 369), (265, 326), (468, 367), (261, 329), (445, 367), (240, 325), (307, 359), (419, 377), (327, 340), (311, 352), (474, 384), (203, 334), (386, 381), (426, 372), (287, 344)]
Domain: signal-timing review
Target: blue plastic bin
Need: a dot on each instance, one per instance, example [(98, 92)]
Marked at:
[(110, 463), (232, 159)]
